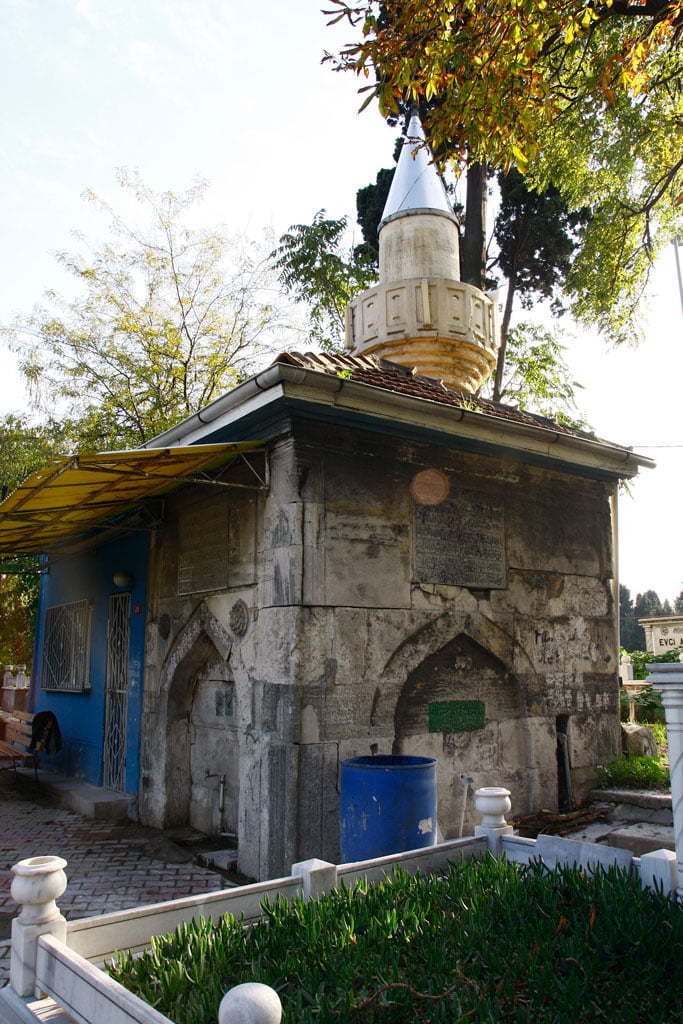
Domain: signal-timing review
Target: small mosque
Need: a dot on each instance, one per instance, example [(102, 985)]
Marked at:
[(344, 554)]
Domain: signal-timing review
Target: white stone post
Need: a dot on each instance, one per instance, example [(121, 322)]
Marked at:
[(626, 668), (21, 680), (493, 803), (658, 870), (37, 883), (626, 676), (667, 679), (8, 676), (250, 1003), (317, 876)]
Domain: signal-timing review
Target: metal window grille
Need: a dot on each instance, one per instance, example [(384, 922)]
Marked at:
[(66, 648), (116, 698)]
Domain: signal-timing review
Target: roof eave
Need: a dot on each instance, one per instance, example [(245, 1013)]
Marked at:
[(297, 383)]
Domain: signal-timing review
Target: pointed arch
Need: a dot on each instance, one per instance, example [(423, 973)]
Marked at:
[(202, 623), (201, 642)]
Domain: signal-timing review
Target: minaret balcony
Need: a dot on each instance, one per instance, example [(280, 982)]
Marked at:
[(443, 328)]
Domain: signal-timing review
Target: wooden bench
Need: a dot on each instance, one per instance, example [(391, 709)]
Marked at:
[(17, 728)]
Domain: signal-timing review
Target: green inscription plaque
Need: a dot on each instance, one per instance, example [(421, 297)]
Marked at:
[(457, 716)]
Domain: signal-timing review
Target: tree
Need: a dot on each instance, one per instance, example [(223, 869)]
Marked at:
[(537, 237), (167, 318), (317, 269), (17, 620), (647, 604), (583, 96), (536, 376), (631, 635), (25, 446), (370, 202), (678, 604)]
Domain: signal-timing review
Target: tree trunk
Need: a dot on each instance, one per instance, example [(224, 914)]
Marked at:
[(473, 248), (504, 328)]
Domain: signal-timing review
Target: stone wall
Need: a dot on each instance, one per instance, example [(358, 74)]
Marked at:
[(531, 637), (350, 614)]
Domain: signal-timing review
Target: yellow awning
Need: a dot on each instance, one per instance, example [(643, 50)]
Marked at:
[(75, 493)]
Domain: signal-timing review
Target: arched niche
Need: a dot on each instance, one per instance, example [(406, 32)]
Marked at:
[(463, 706), (201, 763)]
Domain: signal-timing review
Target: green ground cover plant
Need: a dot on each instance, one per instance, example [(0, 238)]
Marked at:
[(489, 941), (642, 658), (659, 733), (648, 706), (632, 772)]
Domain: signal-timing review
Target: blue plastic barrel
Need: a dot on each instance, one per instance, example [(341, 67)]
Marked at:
[(388, 805)]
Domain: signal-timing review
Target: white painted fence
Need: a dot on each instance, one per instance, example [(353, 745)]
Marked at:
[(53, 956)]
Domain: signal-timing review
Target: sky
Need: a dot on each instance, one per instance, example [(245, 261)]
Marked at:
[(235, 93)]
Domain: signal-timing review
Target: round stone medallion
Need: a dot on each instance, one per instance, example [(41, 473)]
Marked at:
[(239, 618), (430, 486)]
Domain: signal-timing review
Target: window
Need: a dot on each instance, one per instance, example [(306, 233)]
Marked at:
[(66, 648)]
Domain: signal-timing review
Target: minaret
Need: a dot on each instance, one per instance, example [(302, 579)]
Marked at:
[(420, 314)]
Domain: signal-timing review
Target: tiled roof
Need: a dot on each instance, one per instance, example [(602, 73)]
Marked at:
[(380, 373)]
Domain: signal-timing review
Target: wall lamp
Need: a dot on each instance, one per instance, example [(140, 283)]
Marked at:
[(122, 579)]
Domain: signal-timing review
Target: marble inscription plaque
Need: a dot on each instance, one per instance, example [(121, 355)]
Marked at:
[(217, 545), (460, 542), (203, 548)]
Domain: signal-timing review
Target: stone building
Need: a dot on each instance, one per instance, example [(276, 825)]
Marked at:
[(395, 564), (663, 633)]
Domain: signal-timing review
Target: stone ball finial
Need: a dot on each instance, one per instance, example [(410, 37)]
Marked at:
[(250, 1003), (626, 659)]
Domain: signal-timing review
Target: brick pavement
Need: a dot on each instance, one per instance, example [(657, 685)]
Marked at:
[(111, 865)]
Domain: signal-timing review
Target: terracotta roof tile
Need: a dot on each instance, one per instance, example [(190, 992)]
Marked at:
[(380, 373)]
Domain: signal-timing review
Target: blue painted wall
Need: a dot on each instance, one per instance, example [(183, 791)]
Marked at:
[(81, 715)]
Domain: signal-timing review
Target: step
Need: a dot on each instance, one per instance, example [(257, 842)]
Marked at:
[(635, 805), (223, 860), (643, 838), (90, 801), (638, 797)]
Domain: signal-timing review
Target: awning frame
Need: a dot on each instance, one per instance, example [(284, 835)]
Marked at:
[(60, 523)]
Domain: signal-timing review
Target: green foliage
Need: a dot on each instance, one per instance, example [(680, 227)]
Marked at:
[(634, 773), (646, 605), (167, 318), (648, 705), (537, 236), (584, 97), (536, 376), (370, 203), (317, 269), (18, 606), (639, 659), (632, 636), (25, 446), (660, 735), (619, 159), (489, 941)]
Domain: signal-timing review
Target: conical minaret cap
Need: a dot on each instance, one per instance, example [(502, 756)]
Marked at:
[(420, 314), (416, 184)]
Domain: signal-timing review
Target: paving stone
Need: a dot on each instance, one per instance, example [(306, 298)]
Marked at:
[(99, 882)]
